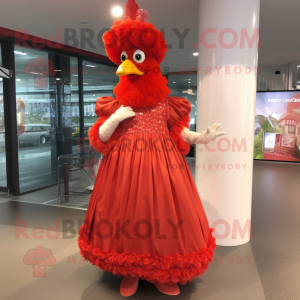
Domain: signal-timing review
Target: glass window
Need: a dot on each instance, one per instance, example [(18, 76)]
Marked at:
[(185, 86), (75, 105), (47, 96), (3, 181), (45, 128), (291, 129), (98, 81)]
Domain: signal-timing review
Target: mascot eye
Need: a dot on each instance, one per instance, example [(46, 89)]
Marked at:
[(139, 56), (123, 56), (45, 68), (36, 68)]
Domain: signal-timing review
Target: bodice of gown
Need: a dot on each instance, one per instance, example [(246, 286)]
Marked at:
[(149, 120)]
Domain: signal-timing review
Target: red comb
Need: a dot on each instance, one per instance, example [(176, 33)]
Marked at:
[(143, 15), (131, 9)]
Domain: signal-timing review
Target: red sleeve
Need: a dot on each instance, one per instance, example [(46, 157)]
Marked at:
[(105, 107), (178, 118)]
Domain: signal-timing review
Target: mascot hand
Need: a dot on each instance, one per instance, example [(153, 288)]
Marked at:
[(109, 126), (212, 133), (123, 113), (206, 136)]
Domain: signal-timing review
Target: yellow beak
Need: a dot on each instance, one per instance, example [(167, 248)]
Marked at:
[(127, 68)]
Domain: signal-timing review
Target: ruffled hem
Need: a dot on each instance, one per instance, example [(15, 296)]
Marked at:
[(163, 269)]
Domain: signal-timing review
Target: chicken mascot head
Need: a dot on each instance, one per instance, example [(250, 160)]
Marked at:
[(145, 219), (139, 48)]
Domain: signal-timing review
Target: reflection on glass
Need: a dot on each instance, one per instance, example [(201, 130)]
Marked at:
[(47, 111), (75, 105), (3, 182), (98, 81), (185, 86)]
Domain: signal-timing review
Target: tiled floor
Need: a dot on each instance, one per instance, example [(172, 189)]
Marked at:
[(266, 268), (78, 184), (232, 275), (79, 194), (276, 229)]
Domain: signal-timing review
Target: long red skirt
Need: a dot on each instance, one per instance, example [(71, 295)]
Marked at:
[(145, 217)]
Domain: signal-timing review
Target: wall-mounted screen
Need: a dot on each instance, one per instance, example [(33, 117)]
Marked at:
[(277, 126)]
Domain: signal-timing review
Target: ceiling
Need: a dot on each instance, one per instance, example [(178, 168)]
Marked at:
[(278, 25), (279, 32)]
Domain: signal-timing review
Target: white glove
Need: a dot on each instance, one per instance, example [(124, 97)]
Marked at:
[(206, 136), (109, 126)]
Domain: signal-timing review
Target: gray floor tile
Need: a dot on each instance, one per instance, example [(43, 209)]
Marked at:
[(71, 278), (276, 223)]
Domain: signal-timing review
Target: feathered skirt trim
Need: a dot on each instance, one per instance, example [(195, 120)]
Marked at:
[(163, 269)]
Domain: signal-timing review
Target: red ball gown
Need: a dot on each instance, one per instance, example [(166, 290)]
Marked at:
[(145, 217)]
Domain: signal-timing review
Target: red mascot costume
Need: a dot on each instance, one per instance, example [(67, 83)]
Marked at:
[(145, 219)]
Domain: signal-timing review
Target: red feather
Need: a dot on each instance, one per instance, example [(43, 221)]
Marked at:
[(131, 9), (143, 15)]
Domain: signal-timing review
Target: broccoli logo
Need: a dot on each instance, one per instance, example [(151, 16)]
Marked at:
[(41, 68), (39, 258)]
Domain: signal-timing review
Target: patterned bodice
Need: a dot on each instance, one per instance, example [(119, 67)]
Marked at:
[(150, 120)]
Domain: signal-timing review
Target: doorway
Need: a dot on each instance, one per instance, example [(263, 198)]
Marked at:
[(47, 107), (46, 110)]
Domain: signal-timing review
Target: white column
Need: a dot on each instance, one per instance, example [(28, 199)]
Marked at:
[(224, 170)]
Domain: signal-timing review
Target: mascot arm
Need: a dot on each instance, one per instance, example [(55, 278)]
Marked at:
[(105, 107), (204, 137), (107, 129), (178, 122), (178, 119), (95, 142)]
